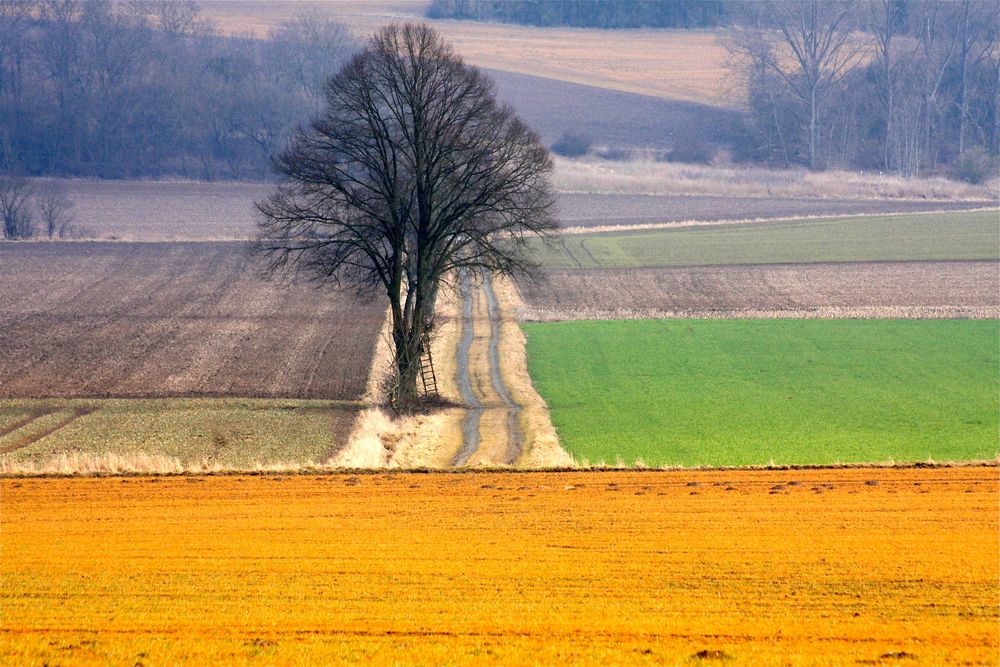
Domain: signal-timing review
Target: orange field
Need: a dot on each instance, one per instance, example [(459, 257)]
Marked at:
[(856, 566)]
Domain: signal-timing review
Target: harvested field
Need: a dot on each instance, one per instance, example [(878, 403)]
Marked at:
[(173, 319), (672, 64), (757, 392), (859, 289), (615, 210), (169, 435), (930, 236), (819, 567)]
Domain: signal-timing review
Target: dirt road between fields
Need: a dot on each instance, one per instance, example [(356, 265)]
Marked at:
[(491, 432)]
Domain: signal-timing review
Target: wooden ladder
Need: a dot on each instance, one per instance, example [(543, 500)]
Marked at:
[(427, 375)]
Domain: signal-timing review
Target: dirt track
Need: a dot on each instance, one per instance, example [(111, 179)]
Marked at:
[(173, 319), (491, 430), (859, 289), (812, 567)]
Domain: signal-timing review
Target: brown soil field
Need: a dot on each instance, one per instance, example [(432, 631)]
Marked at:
[(173, 319), (160, 210), (858, 289), (817, 567)]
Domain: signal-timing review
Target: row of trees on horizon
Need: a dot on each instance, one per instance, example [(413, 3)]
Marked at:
[(148, 88)]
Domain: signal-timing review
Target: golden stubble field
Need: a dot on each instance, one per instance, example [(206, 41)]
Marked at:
[(862, 566), (687, 65)]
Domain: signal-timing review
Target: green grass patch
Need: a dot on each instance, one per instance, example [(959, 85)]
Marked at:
[(229, 432), (748, 392), (967, 235)]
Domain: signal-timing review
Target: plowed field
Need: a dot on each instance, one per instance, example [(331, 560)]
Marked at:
[(173, 319), (861, 566), (848, 289)]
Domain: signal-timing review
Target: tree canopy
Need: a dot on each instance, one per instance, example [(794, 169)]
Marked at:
[(412, 171)]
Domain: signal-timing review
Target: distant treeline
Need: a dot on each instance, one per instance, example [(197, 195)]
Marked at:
[(910, 87), (588, 13), (126, 89)]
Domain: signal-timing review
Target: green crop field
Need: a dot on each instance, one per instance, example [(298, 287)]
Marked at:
[(970, 235), (746, 392), (225, 432)]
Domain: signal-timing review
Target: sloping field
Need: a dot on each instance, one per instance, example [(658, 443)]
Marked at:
[(970, 235), (672, 64), (849, 289), (169, 435), (612, 117), (173, 319), (599, 210), (817, 567), (753, 392)]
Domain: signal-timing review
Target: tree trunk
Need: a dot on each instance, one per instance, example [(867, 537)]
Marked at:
[(812, 128)]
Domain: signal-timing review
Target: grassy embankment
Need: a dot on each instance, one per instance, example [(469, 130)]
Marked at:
[(973, 235), (699, 392)]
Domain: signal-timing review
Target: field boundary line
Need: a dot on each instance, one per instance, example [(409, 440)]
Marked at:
[(582, 230), (331, 471)]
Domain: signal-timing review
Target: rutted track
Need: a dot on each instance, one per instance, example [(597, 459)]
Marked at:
[(470, 425), (491, 433)]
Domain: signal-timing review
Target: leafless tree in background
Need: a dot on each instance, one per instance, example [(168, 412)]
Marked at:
[(54, 211), (411, 173), (815, 38), (16, 209)]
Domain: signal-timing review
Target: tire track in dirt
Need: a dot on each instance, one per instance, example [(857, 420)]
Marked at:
[(470, 425), (491, 431), (515, 438), (35, 437), (21, 423)]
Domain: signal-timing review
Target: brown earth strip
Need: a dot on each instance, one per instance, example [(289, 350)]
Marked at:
[(862, 289)]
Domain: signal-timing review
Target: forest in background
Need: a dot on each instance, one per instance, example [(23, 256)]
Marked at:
[(100, 88), (910, 87), (129, 89)]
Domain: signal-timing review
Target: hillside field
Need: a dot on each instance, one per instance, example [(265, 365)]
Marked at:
[(141, 320), (817, 567), (757, 392), (965, 235)]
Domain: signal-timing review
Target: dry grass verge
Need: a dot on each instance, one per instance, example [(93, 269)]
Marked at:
[(541, 443), (383, 440), (659, 178)]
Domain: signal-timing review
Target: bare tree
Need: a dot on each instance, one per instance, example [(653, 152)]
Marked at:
[(15, 209), (815, 37), (54, 211), (411, 173)]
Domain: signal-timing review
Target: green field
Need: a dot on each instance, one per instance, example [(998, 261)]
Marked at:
[(224, 432), (974, 235), (746, 392)]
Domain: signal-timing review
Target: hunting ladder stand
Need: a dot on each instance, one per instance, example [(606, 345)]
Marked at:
[(427, 375)]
